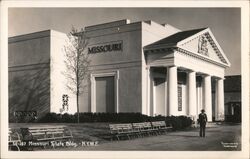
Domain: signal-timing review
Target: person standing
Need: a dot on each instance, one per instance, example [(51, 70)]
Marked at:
[(202, 121)]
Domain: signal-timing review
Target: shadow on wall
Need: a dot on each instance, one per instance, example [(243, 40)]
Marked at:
[(29, 94)]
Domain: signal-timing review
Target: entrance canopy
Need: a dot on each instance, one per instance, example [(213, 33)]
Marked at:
[(197, 55)]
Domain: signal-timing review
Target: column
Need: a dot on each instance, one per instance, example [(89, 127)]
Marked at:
[(172, 90), (148, 90), (93, 94), (208, 97), (219, 108), (192, 93), (151, 93), (166, 93)]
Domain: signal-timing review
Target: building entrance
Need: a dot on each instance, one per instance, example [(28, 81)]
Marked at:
[(105, 100)]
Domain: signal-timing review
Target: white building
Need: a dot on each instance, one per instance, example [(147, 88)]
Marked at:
[(141, 67), (36, 82)]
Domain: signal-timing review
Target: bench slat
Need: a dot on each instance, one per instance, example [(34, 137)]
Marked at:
[(46, 130)]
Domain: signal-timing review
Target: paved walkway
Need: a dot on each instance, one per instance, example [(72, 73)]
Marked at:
[(218, 138)]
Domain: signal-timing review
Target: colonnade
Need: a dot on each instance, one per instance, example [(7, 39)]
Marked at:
[(172, 92)]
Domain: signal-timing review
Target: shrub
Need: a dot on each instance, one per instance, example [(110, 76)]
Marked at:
[(50, 118), (177, 122), (233, 118), (21, 119), (68, 118)]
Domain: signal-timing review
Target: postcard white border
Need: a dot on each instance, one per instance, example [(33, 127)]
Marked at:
[(244, 5)]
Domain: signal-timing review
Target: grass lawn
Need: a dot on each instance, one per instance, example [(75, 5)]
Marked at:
[(185, 140)]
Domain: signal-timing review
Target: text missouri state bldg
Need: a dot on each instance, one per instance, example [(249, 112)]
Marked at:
[(154, 69)]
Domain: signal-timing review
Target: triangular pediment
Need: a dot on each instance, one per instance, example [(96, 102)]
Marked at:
[(205, 45)]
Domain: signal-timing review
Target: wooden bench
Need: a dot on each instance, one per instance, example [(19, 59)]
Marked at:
[(144, 128), (14, 139), (46, 133), (160, 126), (119, 130)]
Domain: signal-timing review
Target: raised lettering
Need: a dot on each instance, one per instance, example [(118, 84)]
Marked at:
[(105, 48)]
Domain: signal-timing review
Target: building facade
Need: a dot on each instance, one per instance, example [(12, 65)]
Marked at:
[(36, 80), (145, 67), (232, 91)]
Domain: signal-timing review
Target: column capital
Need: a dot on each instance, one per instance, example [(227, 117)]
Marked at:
[(191, 71), (219, 78), (207, 75), (172, 66)]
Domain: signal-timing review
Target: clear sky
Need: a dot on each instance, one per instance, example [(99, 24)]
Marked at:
[(224, 22)]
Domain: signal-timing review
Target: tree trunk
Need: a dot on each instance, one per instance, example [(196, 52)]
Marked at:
[(77, 87), (77, 104)]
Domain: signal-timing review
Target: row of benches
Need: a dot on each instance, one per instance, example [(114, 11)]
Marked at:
[(47, 133), (138, 129), (51, 133)]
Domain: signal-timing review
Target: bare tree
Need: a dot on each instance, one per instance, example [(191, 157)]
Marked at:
[(77, 63)]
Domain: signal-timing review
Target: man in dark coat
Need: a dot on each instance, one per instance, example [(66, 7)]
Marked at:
[(202, 120)]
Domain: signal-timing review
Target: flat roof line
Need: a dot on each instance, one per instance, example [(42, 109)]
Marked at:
[(36, 32), (107, 25)]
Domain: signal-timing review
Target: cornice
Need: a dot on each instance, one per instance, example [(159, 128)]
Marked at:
[(203, 58), (217, 51)]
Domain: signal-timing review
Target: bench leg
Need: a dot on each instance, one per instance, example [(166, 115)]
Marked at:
[(18, 149), (128, 136), (156, 132), (143, 134), (149, 133), (138, 135), (117, 137), (134, 135), (44, 146)]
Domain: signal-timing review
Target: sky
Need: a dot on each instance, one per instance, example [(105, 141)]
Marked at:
[(225, 23)]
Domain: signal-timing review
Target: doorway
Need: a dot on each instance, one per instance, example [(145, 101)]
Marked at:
[(105, 94)]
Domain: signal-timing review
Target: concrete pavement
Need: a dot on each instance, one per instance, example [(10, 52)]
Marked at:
[(218, 138)]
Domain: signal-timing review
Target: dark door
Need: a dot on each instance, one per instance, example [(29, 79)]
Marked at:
[(105, 100)]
